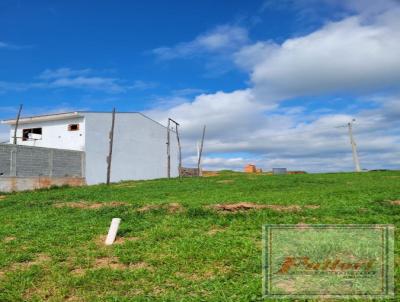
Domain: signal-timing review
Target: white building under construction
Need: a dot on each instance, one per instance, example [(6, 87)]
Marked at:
[(139, 147)]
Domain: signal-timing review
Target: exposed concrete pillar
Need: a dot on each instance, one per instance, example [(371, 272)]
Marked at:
[(83, 165), (51, 158), (13, 162)]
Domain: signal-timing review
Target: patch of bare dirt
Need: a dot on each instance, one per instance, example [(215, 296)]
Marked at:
[(140, 265), (73, 299), (121, 240), (78, 271), (245, 206), (312, 206), (215, 230), (148, 208), (190, 277), (87, 205), (3, 197), (226, 181), (113, 263), (40, 259), (9, 239), (173, 207), (109, 262), (100, 241), (395, 202)]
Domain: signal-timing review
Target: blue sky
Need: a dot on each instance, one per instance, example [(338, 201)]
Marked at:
[(271, 79)]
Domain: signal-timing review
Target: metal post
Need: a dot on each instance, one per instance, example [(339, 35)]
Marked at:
[(201, 151), (109, 158), (354, 148), (179, 150), (168, 149), (16, 124)]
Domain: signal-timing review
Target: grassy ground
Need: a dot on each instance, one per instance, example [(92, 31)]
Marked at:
[(172, 247)]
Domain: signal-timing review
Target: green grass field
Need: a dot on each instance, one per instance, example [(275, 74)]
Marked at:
[(172, 245)]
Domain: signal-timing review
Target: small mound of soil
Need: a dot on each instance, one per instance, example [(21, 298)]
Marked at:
[(395, 202), (2, 197), (245, 206), (175, 207), (86, 205), (241, 206)]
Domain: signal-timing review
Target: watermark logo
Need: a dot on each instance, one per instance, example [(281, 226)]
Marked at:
[(328, 261)]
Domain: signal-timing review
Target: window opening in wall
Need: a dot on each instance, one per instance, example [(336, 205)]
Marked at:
[(31, 134), (73, 127)]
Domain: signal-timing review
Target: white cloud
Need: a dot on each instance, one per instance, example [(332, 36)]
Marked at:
[(143, 85), (95, 83), (70, 78), (5, 45), (63, 72), (349, 55), (283, 136), (221, 39), (227, 113)]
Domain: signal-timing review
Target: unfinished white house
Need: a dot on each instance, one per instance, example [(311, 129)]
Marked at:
[(139, 148)]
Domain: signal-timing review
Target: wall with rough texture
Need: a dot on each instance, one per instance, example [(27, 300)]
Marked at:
[(189, 172), (24, 161), (139, 151), (13, 184)]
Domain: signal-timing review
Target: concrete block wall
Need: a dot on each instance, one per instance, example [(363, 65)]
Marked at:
[(24, 161)]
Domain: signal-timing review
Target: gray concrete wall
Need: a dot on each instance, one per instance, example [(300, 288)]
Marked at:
[(13, 184), (24, 161), (140, 150)]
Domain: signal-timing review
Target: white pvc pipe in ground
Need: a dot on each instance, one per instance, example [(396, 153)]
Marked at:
[(112, 232)]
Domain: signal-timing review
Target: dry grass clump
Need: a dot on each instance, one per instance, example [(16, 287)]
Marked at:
[(87, 205)]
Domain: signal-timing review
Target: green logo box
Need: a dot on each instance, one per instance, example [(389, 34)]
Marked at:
[(328, 261)]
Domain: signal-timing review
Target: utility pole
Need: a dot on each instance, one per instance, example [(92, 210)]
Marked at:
[(169, 149), (201, 151), (109, 158), (16, 124), (354, 147), (198, 149)]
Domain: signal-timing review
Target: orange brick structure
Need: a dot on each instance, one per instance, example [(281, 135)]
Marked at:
[(250, 169)]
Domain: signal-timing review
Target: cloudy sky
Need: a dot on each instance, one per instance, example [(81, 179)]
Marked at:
[(274, 81)]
